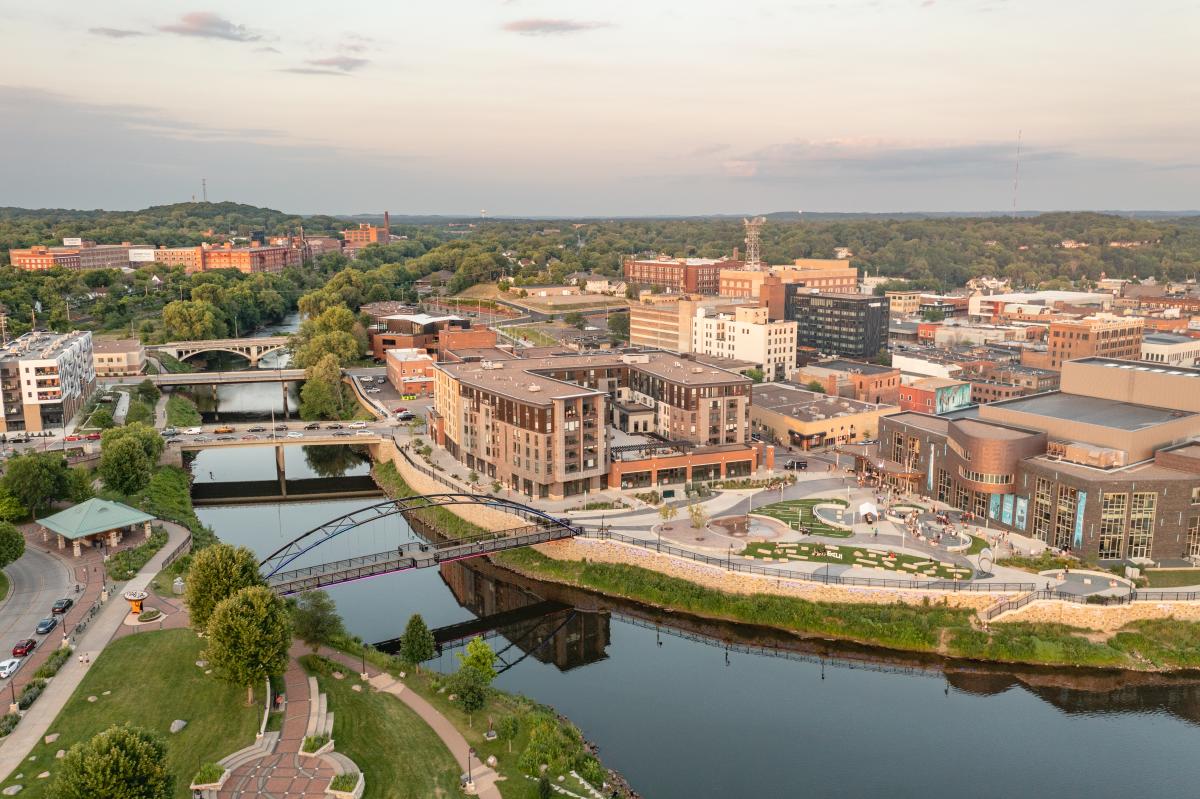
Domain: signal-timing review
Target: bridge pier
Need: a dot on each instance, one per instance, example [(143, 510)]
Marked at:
[(284, 387), (280, 471)]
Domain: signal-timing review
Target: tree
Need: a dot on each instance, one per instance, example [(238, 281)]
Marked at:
[(933, 315), (124, 466), (417, 644), (12, 543), (815, 386), (147, 438), (476, 671), (11, 508), (36, 479), (508, 728), (101, 419), (148, 392), (217, 573), (618, 326), (755, 374), (249, 636), (323, 395), (185, 320), (667, 512), (316, 620), (698, 515), (575, 319), (79, 485), (123, 762)]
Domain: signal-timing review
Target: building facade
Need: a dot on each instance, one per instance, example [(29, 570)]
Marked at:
[(1101, 335), (1170, 349), (747, 335), (935, 395), (248, 260), (118, 357), (853, 325), (410, 371), (45, 378), (865, 382), (795, 417), (679, 275)]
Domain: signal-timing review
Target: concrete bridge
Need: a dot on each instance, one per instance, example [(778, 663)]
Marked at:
[(251, 348), (217, 378)]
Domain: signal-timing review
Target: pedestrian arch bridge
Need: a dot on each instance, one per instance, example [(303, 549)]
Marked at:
[(251, 348), (284, 574)]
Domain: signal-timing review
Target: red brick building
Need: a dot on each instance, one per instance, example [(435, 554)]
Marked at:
[(679, 275)]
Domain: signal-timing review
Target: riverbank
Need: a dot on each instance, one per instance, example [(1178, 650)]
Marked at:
[(940, 623)]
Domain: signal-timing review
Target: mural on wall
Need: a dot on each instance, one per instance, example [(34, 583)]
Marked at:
[(1019, 512), (1006, 512), (951, 398), (1077, 542), (994, 506)]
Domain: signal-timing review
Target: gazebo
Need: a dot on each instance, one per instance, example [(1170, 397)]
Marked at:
[(89, 522)]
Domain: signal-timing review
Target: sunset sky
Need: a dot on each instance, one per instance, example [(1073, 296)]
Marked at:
[(623, 107)]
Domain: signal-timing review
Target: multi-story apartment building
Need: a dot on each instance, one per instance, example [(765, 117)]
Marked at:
[(854, 325), (122, 356), (1107, 467), (1171, 349), (538, 425), (904, 303), (45, 378), (249, 260), (665, 322), (1101, 335), (813, 273), (746, 335), (679, 275)]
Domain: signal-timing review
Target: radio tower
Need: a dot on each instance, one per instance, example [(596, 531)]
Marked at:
[(204, 188), (753, 253)]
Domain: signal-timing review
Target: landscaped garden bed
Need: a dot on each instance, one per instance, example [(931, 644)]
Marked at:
[(798, 514), (893, 563)]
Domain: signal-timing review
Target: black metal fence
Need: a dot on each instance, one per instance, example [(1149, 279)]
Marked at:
[(828, 579)]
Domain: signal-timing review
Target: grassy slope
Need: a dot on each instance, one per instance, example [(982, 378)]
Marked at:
[(400, 754), (3, 585), (154, 680), (181, 412)]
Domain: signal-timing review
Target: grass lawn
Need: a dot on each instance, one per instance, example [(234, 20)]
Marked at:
[(900, 567), (534, 335), (1043, 562), (1171, 578), (173, 364), (181, 412), (400, 754), (798, 513), (154, 680), (140, 411), (3, 585)]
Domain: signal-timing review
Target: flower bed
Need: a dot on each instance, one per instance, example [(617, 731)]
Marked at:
[(895, 564), (210, 777), (798, 514)]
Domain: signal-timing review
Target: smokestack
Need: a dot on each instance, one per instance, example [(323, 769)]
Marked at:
[(387, 226)]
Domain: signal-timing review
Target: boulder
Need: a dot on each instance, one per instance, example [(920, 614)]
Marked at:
[(12, 790), (51, 738), (337, 675), (44, 775), (177, 725), (202, 664), (356, 687), (93, 698), (491, 761), (60, 754)]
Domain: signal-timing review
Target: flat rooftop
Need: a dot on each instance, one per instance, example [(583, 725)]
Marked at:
[(842, 365), (1137, 366), (115, 345), (40, 345), (1168, 338), (924, 421), (1091, 410), (790, 400)]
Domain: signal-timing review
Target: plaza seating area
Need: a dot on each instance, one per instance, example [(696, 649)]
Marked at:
[(894, 564), (798, 514)]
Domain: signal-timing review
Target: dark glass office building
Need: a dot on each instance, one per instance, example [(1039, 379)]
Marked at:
[(854, 325)]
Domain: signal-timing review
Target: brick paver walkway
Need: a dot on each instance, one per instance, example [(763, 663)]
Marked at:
[(284, 774)]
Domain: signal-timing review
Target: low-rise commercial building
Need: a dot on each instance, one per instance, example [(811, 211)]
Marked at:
[(904, 303), (1171, 349), (410, 371), (865, 382), (118, 357), (418, 331), (795, 417), (45, 378), (678, 275), (822, 274), (1101, 335), (936, 395), (84, 255)]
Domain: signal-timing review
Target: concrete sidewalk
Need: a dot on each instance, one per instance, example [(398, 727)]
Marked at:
[(100, 631)]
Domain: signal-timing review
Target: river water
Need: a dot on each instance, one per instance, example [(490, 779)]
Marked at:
[(686, 717)]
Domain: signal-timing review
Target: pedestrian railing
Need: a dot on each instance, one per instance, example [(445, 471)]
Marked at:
[(828, 579), (185, 546), (425, 470), (1081, 599), (1166, 596)]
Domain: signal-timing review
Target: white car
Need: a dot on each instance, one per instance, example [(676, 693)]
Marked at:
[(9, 667), (295, 434), (364, 433), (374, 390), (193, 431), (357, 425)]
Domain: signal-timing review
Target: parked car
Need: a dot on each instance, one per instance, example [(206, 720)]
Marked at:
[(295, 434), (92, 436), (357, 425), (224, 429), (24, 647), (374, 390), (249, 437), (256, 429), (313, 426), (225, 438), (193, 431), (68, 438), (381, 380), (364, 432), (199, 439), (407, 416), (170, 431), (279, 428), (401, 409), (334, 426), (62, 605), (46, 625), (343, 433), (9, 667)]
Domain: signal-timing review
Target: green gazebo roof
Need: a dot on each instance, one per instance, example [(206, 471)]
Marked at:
[(93, 516)]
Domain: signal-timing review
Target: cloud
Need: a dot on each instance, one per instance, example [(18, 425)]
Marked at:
[(708, 149), (266, 50), (551, 27), (115, 33), (314, 71), (343, 63), (207, 25), (355, 43)]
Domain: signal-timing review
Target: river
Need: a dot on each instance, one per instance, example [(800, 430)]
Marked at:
[(684, 718)]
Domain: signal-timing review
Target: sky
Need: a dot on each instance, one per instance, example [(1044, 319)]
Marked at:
[(588, 108)]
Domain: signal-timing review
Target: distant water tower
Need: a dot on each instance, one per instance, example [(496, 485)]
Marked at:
[(753, 250)]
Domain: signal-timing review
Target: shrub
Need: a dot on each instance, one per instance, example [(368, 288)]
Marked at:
[(208, 774), (128, 562), (314, 742), (32, 691), (345, 782), (8, 723), (149, 614), (53, 663)]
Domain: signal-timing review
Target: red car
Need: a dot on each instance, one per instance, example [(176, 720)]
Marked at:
[(23, 648), (73, 438), (93, 436), (401, 409)]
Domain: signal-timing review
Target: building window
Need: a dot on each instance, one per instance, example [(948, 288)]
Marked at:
[(1064, 517), (1141, 524), (1112, 525), (1194, 537), (944, 488), (1041, 510)]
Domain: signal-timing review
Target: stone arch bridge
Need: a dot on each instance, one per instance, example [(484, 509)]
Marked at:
[(250, 348)]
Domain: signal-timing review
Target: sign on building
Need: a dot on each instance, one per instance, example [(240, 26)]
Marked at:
[(73, 241), (141, 256)]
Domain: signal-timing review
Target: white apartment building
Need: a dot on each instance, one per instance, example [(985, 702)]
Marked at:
[(1171, 349), (747, 335), (45, 378)]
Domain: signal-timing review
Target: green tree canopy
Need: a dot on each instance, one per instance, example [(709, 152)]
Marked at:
[(124, 466), (145, 436), (316, 620), (187, 320), (476, 671), (249, 635), (36, 479), (120, 763), (323, 395), (12, 543), (217, 573), (417, 644)]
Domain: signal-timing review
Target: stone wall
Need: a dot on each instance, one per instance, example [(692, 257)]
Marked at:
[(599, 551), (1102, 618)]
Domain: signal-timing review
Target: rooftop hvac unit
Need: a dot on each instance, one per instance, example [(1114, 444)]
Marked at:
[(697, 370), (534, 387)]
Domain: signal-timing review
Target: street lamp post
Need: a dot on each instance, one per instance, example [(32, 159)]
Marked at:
[(470, 777)]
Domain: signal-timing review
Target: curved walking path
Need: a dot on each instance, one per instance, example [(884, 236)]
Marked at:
[(102, 628)]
